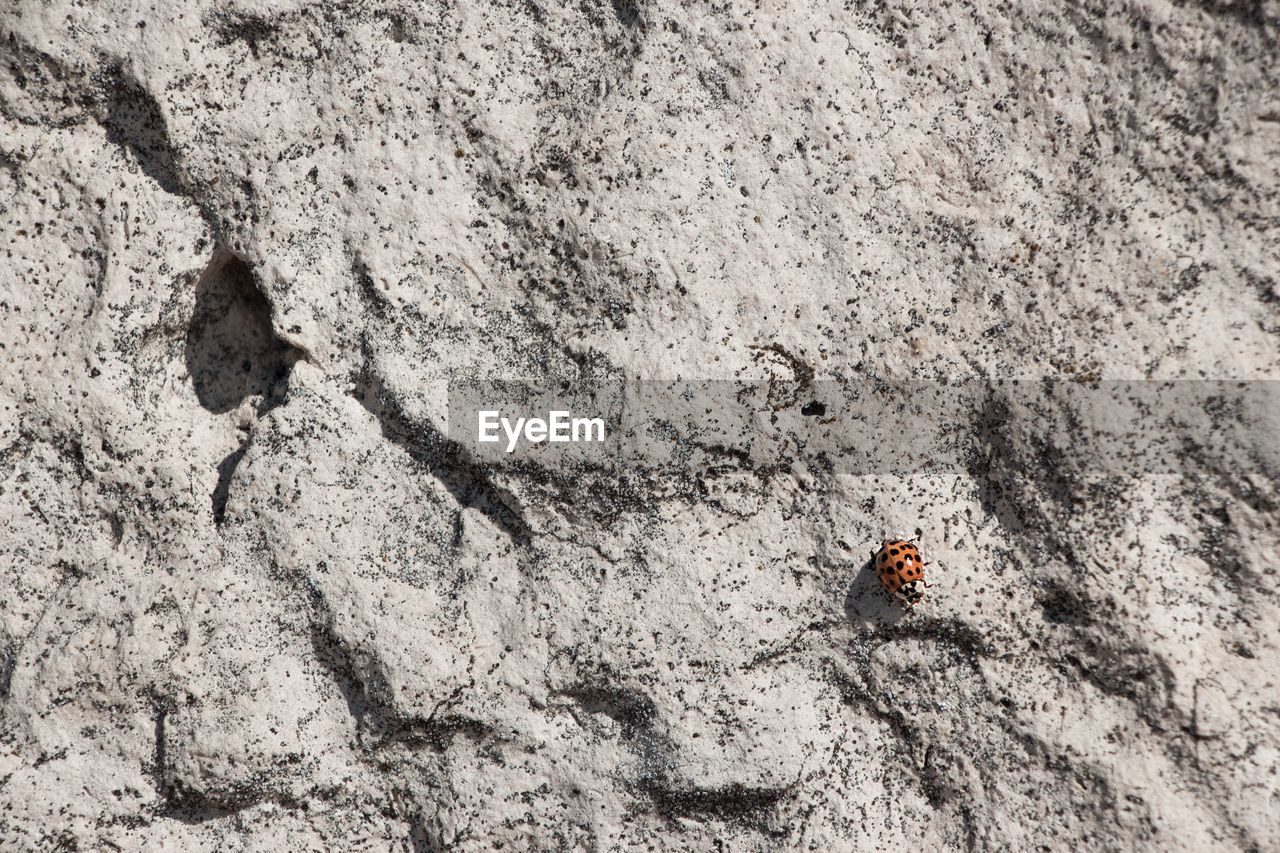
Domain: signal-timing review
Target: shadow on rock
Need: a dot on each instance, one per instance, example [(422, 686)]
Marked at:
[(866, 604), (134, 120)]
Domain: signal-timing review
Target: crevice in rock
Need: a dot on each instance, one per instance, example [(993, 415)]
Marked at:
[(467, 481), (337, 659), (636, 716), (158, 760), (439, 733), (221, 491), (629, 13), (786, 647), (397, 29), (8, 661), (933, 762), (367, 694), (180, 802)]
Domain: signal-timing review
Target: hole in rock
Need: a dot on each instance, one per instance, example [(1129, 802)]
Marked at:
[(232, 353)]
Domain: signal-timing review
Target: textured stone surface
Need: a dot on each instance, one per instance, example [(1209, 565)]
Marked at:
[(254, 596)]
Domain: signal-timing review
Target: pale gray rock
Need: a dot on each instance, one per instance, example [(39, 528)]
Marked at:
[(258, 592)]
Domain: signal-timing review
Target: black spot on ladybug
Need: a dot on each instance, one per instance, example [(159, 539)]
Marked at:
[(899, 564), (894, 551)]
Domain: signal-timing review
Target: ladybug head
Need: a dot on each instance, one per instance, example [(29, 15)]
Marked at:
[(911, 592)]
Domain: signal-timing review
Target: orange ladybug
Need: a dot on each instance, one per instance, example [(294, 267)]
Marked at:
[(901, 571)]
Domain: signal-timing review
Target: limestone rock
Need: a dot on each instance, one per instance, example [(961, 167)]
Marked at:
[(258, 591)]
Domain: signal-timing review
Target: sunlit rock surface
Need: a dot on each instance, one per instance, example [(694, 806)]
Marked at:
[(256, 593)]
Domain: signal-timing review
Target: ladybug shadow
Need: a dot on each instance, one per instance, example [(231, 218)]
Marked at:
[(867, 605)]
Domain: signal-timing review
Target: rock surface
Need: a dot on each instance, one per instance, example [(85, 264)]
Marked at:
[(256, 595)]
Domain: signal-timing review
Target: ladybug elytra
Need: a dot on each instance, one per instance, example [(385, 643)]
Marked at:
[(901, 571)]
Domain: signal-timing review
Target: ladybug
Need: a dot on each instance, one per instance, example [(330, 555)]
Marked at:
[(901, 571)]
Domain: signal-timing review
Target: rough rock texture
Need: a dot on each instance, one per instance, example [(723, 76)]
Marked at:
[(254, 595)]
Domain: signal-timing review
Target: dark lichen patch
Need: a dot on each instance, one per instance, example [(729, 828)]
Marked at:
[(735, 803), (814, 410), (249, 29), (632, 711)]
